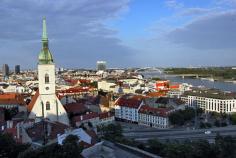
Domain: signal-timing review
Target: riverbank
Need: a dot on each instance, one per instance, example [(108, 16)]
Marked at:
[(226, 85), (221, 73)]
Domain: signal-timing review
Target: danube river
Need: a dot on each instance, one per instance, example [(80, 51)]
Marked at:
[(225, 86)]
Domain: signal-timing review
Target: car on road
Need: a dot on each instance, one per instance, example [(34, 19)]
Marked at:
[(207, 132)]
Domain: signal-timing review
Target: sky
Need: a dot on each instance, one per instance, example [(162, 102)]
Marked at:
[(124, 33)]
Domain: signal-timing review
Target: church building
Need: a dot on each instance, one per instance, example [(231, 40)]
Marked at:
[(45, 103)]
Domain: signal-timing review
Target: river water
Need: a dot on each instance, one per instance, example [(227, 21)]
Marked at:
[(225, 86)]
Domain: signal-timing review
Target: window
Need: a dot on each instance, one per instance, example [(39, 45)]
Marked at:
[(47, 105), (46, 78)]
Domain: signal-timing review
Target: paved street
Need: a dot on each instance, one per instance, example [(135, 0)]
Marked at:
[(180, 134)]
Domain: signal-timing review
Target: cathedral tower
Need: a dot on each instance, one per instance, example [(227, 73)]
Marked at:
[(45, 103)]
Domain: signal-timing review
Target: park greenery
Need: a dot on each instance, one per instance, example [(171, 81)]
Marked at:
[(111, 132), (216, 72), (180, 117)]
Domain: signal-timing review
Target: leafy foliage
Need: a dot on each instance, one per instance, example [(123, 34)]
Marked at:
[(233, 118), (221, 72), (181, 116), (111, 131), (69, 149), (9, 148), (222, 148)]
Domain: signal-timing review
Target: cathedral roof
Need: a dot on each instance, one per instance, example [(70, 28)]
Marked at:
[(33, 100), (45, 56)]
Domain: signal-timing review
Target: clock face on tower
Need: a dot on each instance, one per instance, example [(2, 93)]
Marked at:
[(47, 88)]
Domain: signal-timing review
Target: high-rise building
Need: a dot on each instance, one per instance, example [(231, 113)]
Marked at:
[(17, 69), (45, 103), (5, 70), (101, 65)]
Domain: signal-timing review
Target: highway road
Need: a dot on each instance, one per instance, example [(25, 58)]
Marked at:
[(171, 134)]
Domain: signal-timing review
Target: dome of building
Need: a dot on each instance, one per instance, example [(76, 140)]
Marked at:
[(45, 57)]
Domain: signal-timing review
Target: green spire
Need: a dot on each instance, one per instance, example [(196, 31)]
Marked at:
[(44, 36), (45, 56)]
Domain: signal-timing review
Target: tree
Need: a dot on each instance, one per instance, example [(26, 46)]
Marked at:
[(69, 149), (217, 123), (176, 118), (9, 148), (201, 149), (233, 118), (112, 131), (202, 125), (155, 146), (225, 146), (71, 146)]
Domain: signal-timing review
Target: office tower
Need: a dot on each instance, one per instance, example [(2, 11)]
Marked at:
[(101, 66), (17, 69)]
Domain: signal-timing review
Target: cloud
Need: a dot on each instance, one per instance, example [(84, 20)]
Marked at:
[(197, 11), (173, 4), (215, 31), (231, 3), (77, 31)]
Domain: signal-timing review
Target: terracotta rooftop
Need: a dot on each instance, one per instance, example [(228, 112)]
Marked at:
[(156, 94), (33, 100), (36, 131), (105, 115), (163, 112), (11, 98), (75, 108), (130, 102), (84, 81), (88, 116), (75, 90), (71, 81)]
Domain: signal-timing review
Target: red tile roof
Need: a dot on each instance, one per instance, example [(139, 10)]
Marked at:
[(33, 100), (11, 131), (75, 108), (130, 102), (11, 98), (156, 94), (88, 116), (155, 111), (36, 132), (72, 81), (105, 115), (93, 135), (84, 81), (75, 90)]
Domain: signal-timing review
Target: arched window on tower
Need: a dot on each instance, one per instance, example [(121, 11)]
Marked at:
[(47, 105), (46, 78)]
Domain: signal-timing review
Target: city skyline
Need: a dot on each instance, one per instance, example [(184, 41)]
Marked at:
[(123, 33)]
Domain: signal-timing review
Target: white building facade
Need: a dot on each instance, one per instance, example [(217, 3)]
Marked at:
[(214, 102), (127, 110)]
